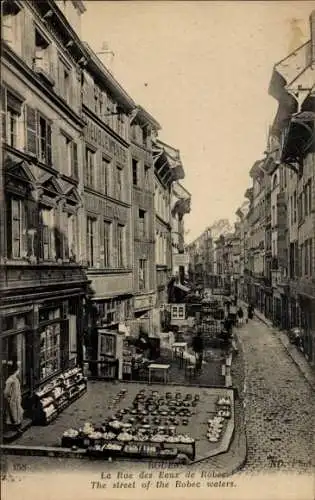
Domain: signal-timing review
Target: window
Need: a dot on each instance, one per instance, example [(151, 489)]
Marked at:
[(66, 154), (119, 183), (142, 274), (70, 238), (105, 172), (18, 229), (141, 224), (89, 168), (107, 243), (108, 345), (134, 172), (49, 350), (44, 132), (42, 62), (47, 233), (11, 106), (146, 177), (90, 240), (121, 124), (294, 207), (64, 76), (120, 245), (310, 242)]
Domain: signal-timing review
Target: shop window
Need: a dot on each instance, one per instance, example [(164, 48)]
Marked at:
[(120, 245), (47, 233), (49, 350), (142, 274), (89, 168), (49, 314), (91, 240), (107, 243), (108, 345)]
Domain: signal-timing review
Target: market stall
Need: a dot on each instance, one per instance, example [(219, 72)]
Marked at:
[(153, 426)]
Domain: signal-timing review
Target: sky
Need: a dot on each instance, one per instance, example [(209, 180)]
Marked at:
[(202, 69)]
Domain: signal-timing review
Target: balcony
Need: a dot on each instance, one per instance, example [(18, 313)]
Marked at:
[(45, 69)]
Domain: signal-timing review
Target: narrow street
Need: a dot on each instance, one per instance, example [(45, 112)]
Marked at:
[(278, 401)]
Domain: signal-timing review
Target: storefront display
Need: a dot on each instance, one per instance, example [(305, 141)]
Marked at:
[(151, 427), (57, 394), (217, 424)]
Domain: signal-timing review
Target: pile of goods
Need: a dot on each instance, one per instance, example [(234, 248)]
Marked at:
[(217, 423), (147, 428)]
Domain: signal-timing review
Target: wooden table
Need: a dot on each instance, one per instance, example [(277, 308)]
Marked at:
[(178, 347), (163, 368)]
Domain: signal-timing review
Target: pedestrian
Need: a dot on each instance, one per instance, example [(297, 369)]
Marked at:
[(250, 311), (197, 346), (240, 315)]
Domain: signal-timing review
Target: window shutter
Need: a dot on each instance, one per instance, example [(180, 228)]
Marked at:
[(48, 143), (4, 114), (9, 228), (75, 166), (31, 130), (56, 148), (24, 229), (32, 228)]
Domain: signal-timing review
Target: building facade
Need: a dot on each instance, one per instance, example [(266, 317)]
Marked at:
[(180, 205), (168, 168), (143, 128), (107, 225), (43, 279)]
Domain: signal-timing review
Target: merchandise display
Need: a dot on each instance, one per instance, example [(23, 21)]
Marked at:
[(57, 394), (217, 424), (136, 431)]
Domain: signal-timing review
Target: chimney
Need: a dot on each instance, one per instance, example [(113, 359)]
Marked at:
[(312, 26)]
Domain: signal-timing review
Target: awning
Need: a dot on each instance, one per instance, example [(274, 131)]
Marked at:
[(299, 138), (182, 287)]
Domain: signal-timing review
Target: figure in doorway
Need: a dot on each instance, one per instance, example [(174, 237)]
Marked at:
[(12, 397)]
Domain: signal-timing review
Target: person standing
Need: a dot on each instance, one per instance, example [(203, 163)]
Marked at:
[(13, 400), (197, 346), (240, 315)]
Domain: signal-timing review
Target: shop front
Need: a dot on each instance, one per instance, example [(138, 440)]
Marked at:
[(106, 326), (40, 342)]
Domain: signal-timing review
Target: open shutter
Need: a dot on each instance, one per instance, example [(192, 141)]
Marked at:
[(48, 144), (31, 142), (75, 166), (24, 229)]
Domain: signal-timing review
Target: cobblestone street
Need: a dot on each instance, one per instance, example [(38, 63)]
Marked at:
[(278, 403)]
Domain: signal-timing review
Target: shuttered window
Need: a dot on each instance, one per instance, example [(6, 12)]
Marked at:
[(31, 130), (107, 243), (120, 245), (38, 135), (75, 166), (47, 234), (90, 240), (89, 168), (18, 229)]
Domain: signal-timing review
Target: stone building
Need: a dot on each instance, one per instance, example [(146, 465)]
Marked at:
[(142, 129), (168, 168), (180, 205), (43, 281), (292, 85), (108, 222)]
